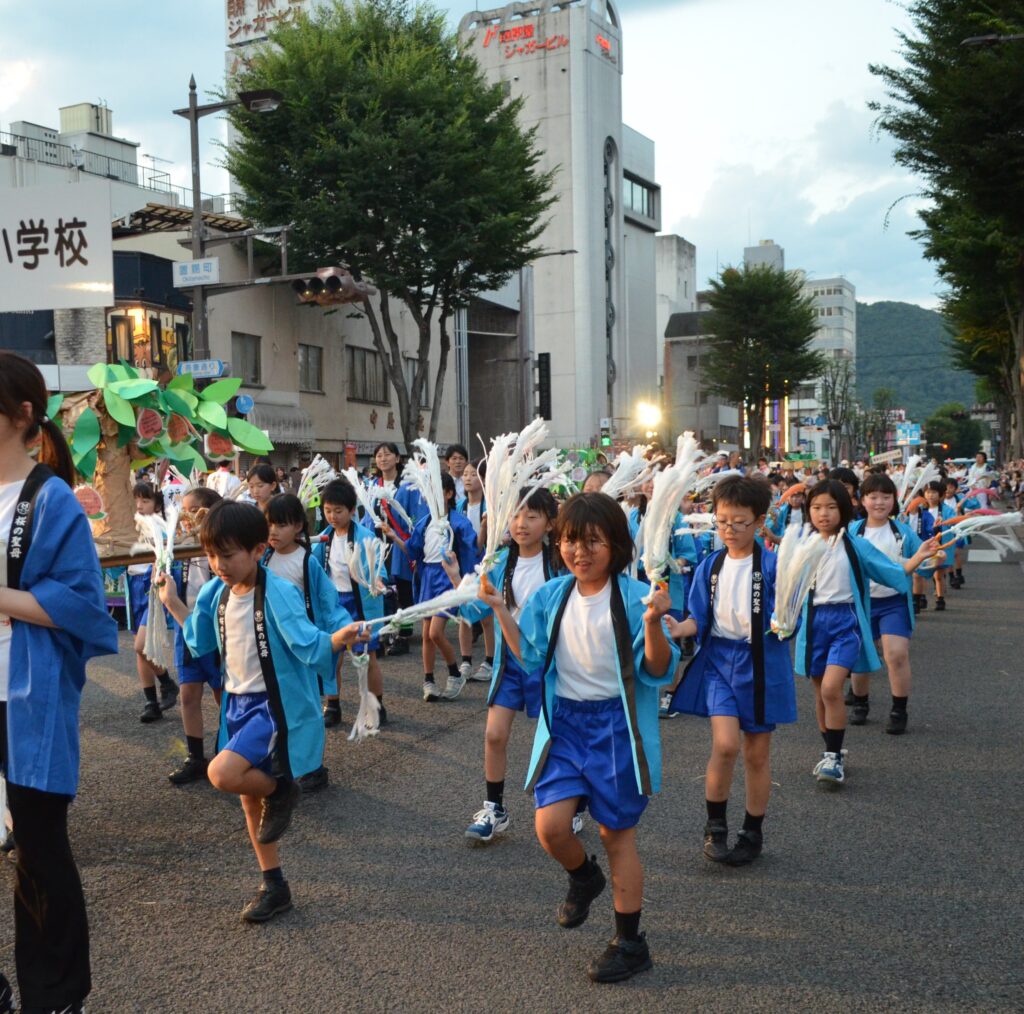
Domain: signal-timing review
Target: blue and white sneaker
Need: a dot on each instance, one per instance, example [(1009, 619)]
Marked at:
[(665, 709), (490, 821), (829, 770)]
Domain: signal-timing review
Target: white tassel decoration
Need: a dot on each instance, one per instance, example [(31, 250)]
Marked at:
[(801, 551), (632, 470), (314, 477), (367, 563), (367, 723)]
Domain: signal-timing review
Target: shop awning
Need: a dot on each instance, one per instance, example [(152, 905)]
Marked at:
[(286, 424)]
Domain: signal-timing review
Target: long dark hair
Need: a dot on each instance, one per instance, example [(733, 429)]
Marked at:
[(287, 509), (21, 381), (542, 501)]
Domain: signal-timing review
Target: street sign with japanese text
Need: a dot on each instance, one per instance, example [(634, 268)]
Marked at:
[(55, 247), (202, 369), (204, 272), (908, 433)]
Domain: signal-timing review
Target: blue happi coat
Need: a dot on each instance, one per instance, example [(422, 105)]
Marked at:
[(539, 624), (774, 692), (908, 542), (372, 606), (47, 666), (298, 650), (463, 542), (866, 564)]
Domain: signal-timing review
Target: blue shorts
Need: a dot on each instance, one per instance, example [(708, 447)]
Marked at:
[(729, 683), (433, 581), (204, 669), (251, 729), (138, 599), (889, 615), (835, 638), (590, 757), (349, 602), (517, 689)]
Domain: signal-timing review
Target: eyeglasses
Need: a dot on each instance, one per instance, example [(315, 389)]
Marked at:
[(590, 545), (732, 526)]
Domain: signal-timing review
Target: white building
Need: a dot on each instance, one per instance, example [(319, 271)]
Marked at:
[(676, 285), (594, 306)]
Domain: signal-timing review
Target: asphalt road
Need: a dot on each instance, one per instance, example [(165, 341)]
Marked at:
[(901, 892)]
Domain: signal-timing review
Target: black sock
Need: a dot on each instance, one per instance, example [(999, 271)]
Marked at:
[(860, 698), (273, 877), (752, 823), (716, 811), (150, 694), (824, 736), (834, 740), (627, 925), (959, 572), (428, 677), (466, 660), (380, 700), (489, 659), (195, 747), (900, 704), (453, 670), (585, 870), (165, 679), (496, 792)]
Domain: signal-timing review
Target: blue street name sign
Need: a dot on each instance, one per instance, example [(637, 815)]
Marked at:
[(202, 369)]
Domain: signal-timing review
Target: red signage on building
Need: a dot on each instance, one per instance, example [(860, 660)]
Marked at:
[(521, 40)]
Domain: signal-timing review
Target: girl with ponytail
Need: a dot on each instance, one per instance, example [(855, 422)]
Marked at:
[(53, 617)]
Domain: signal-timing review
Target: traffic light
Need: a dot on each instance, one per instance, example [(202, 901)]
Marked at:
[(606, 432), (331, 286)]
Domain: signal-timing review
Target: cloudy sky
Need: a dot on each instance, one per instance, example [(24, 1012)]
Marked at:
[(757, 107)]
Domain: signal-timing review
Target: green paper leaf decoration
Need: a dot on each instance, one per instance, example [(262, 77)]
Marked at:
[(86, 463), (222, 390), (53, 405), (213, 415), (130, 373), (182, 382), (177, 402), (118, 408), (87, 433), (132, 389), (100, 375), (125, 435), (248, 437), (142, 463)]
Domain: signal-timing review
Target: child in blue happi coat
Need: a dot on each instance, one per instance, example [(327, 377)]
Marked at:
[(474, 506), (527, 564), (953, 499), (338, 500), (603, 654), (271, 731), (835, 631), (892, 611), (53, 619), (932, 516), (741, 677)]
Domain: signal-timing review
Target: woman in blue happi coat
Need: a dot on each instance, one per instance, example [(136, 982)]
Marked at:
[(54, 619)]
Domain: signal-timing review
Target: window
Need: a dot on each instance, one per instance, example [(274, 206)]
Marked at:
[(410, 363), (637, 197), (311, 377), (367, 377), (691, 362), (156, 342), (245, 356), (121, 339)]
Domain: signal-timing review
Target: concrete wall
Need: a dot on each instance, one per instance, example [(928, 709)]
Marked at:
[(675, 283)]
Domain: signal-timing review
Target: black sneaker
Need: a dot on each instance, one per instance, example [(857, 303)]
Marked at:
[(922, 603), (955, 582), (151, 713), (574, 910), (859, 713), (314, 780), (382, 718), (332, 715), (399, 646), (747, 848), (277, 812), (269, 902), (621, 960), (940, 604), (192, 769), (716, 834), (896, 724), (848, 698), (168, 695), (6, 996)]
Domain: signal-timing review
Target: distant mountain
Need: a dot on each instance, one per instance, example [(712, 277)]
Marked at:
[(905, 347)]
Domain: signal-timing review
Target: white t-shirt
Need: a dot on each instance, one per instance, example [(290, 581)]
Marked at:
[(795, 516), (198, 575), (473, 512), (290, 566), (339, 568), (242, 657), (585, 653), (526, 579), (9, 493), (435, 541), (223, 482), (883, 538), (832, 586), (951, 503), (732, 599)]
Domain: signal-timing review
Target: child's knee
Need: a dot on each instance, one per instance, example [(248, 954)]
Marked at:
[(219, 775), (495, 738)]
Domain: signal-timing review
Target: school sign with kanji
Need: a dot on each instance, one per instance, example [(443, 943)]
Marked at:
[(55, 247)]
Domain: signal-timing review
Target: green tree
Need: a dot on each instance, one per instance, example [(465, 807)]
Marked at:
[(837, 399), (955, 113), (952, 427), (393, 156), (760, 329)]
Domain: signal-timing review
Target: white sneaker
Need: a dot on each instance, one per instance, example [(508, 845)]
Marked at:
[(830, 769), (465, 668), (430, 691), (482, 674), (454, 686), (577, 823), (487, 823)]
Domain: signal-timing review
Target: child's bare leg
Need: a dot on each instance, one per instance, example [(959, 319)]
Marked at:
[(896, 651), (429, 652), (756, 771), (819, 705), (466, 640), (439, 639), (725, 748), (496, 735), (627, 872), (554, 832), (374, 676), (192, 709), (488, 625), (231, 772), (266, 855), (831, 691)]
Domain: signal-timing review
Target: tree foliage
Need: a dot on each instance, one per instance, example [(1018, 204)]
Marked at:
[(955, 112), (761, 329), (952, 426), (393, 156)]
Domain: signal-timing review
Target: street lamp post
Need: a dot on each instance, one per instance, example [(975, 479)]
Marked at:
[(261, 101)]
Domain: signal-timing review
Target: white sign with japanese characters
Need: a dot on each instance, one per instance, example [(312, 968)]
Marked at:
[(253, 20), (204, 272), (55, 247)]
